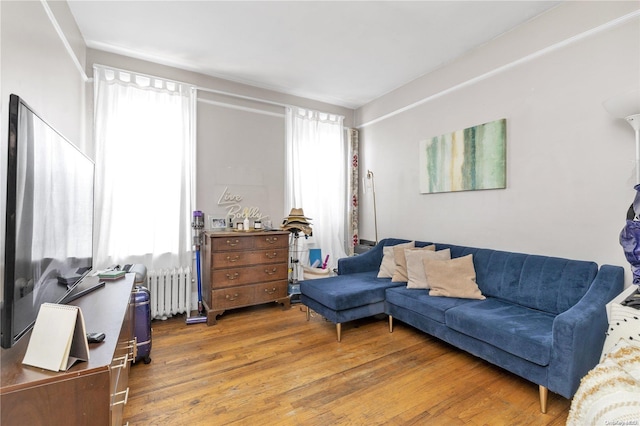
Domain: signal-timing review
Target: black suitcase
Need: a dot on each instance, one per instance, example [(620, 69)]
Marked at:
[(142, 323)]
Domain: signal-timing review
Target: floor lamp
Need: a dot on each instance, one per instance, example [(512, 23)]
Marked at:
[(627, 106), (375, 212)]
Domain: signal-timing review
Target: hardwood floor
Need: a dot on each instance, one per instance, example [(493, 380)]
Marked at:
[(266, 366)]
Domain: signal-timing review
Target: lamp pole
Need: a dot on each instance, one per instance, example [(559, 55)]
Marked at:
[(375, 211), (634, 121)]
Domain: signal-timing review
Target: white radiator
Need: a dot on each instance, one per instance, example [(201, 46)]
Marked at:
[(170, 292)]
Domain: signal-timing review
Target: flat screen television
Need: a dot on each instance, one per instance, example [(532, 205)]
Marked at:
[(49, 220)]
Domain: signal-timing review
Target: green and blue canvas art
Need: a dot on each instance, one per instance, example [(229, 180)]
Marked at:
[(465, 160)]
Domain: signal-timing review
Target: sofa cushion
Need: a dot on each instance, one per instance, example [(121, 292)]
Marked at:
[(524, 332), (416, 278), (452, 278), (347, 291), (388, 264), (418, 300)]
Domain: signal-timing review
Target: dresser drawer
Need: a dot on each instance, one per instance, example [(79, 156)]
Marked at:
[(247, 295), (231, 259), (272, 241), (222, 278), (232, 297), (241, 242), (267, 292)]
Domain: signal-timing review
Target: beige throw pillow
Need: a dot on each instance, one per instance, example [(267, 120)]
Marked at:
[(452, 278), (415, 267), (388, 264), (400, 274)]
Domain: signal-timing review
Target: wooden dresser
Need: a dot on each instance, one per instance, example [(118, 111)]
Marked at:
[(244, 269), (89, 393)]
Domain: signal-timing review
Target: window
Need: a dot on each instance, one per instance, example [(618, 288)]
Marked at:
[(145, 168)]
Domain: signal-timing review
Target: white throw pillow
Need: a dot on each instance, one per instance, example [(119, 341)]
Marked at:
[(388, 265), (400, 274), (415, 267)]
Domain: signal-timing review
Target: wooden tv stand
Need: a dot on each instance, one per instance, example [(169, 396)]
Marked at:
[(92, 392)]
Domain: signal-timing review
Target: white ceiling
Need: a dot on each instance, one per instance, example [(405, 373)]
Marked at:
[(341, 52)]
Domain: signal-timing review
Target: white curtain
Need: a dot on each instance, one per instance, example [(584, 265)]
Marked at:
[(316, 178), (145, 169)]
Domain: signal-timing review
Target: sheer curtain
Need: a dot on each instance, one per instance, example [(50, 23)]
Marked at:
[(145, 169), (316, 177)]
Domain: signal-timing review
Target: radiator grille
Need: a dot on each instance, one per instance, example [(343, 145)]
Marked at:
[(170, 292)]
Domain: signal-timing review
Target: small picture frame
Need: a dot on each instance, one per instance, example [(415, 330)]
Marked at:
[(217, 224)]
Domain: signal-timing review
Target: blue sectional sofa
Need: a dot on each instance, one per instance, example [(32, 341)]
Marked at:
[(544, 318)]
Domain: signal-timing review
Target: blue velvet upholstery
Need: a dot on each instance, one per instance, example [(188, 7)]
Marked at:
[(544, 318), (417, 299), (347, 291), (548, 284)]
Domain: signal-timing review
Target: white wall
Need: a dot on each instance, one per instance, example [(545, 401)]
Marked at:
[(37, 67), (569, 164)]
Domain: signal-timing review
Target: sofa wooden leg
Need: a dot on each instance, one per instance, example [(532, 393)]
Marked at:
[(390, 324), (339, 330), (544, 393), (308, 313)]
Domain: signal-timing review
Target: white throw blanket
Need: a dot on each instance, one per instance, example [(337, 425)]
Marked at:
[(610, 392)]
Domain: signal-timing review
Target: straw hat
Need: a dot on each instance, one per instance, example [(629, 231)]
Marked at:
[(297, 221), (297, 215)]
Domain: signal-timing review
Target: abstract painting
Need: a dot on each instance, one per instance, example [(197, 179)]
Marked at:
[(466, 160)]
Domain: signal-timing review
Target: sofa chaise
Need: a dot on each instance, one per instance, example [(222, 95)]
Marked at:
[(542, 318)]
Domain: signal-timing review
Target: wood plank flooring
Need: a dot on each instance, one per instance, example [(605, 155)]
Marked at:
[(265, 366)]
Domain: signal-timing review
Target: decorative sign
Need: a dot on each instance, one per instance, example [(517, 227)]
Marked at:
[(232, 204)]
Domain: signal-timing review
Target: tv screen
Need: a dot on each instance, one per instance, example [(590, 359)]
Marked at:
[(49, 219)]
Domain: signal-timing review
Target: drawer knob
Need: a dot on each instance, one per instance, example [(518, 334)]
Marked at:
[(232, 277), (235, 259), (232, 298), (273, 290), (272, 255), (270, 272), (233, 243), (271, 240)]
